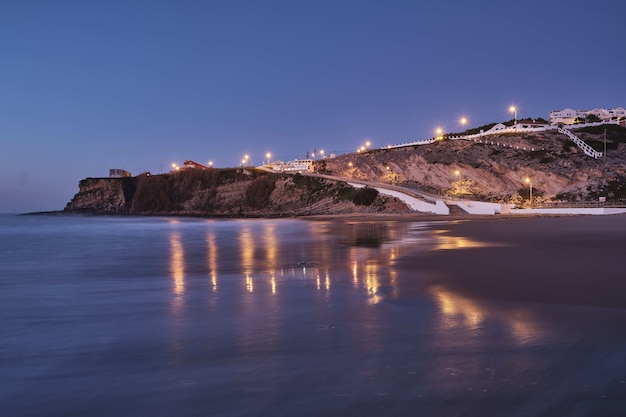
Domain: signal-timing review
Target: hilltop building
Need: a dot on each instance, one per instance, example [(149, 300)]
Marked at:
[(292, 166), (189, 164), (568, 116), (118, 173)]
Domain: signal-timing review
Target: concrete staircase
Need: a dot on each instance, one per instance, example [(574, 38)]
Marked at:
[(588, 150)]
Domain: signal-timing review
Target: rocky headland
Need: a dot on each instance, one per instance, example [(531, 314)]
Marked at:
[(246, 192), (493, 169)]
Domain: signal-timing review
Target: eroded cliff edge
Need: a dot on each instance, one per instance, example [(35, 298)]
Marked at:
[(228, 193)]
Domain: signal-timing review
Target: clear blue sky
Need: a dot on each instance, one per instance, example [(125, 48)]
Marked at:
[(90, 85)]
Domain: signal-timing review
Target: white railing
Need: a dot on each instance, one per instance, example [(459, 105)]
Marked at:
[(518, 128), (588, 150)]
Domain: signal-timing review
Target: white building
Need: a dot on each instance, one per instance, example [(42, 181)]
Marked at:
[(567, 116), (292, 166)]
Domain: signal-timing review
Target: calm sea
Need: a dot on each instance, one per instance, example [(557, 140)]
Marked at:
[(126, 316)]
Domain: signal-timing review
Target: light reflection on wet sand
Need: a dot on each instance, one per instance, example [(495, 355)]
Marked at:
[(289, 281), (302, 318)]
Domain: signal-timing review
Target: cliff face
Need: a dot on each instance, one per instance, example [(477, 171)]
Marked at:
[(496, 168), (229, 192), (103, 196)]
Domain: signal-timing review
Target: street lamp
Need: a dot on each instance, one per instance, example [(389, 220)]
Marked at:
[(322, 153), (513, 110), (210, 164), (439, 132), (367, 144), (463, 122), (530, 185), (269, 157)]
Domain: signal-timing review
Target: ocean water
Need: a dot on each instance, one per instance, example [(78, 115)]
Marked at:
[(127, 316)]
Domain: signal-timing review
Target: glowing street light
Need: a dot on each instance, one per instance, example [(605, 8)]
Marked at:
[(439, 132), (513, 110), (269, 157), (210, 164), (367, 144), (463, 121), (322, 153), (530, 185)]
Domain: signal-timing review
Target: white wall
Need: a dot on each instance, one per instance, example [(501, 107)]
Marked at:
[(414, 203), (479, 207), (595, 211)]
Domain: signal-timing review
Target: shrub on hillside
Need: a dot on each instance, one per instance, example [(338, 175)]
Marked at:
[(153, 195), (365, 196), (259, 191)]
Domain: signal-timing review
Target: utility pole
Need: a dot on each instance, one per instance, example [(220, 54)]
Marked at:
[(605, 146)]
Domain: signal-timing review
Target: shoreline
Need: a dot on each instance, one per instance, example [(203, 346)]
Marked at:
[(361, 217)]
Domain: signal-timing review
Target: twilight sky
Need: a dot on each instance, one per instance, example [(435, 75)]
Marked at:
[(90, 85)]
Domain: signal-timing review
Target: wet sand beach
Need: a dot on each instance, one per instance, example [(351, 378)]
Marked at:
[(572, 260), (345, 316)]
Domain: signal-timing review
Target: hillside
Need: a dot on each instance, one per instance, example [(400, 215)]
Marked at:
[(228, 193), (496, 168), (492, 169)]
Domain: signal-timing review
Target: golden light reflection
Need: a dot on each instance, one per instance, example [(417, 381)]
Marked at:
[(246, 242), (212, 258), (454, 307), (177, 263), (249, 283), (270, 244), (371, 281), (446, 242), (457, 310)]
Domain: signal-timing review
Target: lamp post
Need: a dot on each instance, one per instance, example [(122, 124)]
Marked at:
[(269, 157), (457, 174), (530, 185), (439, 132), (513, 109), (463, 122)]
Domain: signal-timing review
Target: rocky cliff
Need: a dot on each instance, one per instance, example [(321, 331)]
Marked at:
[(226, 192), (492, 169), (103, 195), (496, 167)]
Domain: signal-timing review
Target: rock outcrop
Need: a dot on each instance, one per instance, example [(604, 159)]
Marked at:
[(103, 196), (495, 169), (228, 193)]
